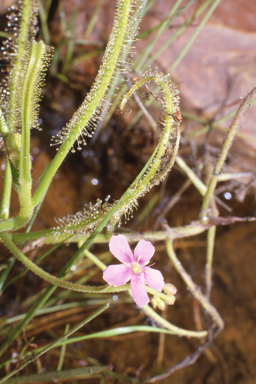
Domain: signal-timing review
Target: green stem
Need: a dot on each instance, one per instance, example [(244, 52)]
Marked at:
[(192, 176), (29, 315), (66, 284), (7, 189), (165, 324), (95, 260), (54, 280), (28, 110), (179, 232), (148, 176), (136, 67), (88, 111), (63, 350), (153, 172), (17, 72), (3, 126), (93, 99), (192, 229), (59, 340), (19, 275), (103, 266), (90, 373), (6, 272)]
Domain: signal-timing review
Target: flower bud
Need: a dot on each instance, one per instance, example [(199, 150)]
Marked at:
[(158, 303), (170, 299), (170, 289), (161, 304), (154, 301)]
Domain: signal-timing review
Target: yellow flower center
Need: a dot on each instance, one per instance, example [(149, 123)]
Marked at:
[(136, 268)]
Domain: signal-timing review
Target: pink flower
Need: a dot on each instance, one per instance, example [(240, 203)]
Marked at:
[(133, 268)]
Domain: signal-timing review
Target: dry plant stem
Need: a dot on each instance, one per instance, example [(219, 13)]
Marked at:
[(47, 237), (95, 260), (224, 151), (133, 89), (161, 344), (209, 258), (43, 14), (52, 345), (216, 125), (235, 175), (148, 116), (101, 334), (189, 360), (90, 373), (173, 200), (200, 186), (185, 49), (197, 294), (211, 231), (137, 65), (208, 198)]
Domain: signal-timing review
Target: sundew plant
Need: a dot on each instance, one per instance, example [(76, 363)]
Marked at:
[(25, 60)]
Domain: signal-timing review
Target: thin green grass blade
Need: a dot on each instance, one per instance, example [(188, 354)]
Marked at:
[(195, 34), (63, 350), (178, 33), (68, 374), (59, 340), (93, 20)]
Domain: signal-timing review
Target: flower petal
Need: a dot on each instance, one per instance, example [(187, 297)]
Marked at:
[(120, 248), (117, 274), (138, 290), (154, 279), (145, 250)]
